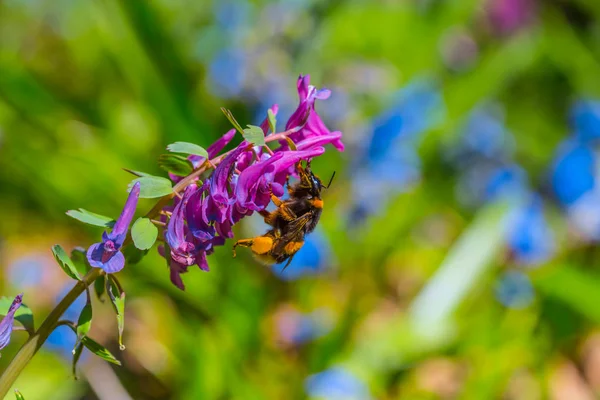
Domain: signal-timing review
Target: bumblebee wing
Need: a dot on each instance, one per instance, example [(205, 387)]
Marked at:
[(294, 232)]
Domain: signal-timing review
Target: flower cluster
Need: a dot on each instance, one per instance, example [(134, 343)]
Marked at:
[(241, 183)]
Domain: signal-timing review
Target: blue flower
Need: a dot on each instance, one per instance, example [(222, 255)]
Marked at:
[(585, 118), (486, 135), (313, 258), (529, 237), (336, 384), (296, 328), (486, 181), (514, 290), (107, 254), (573, 172), (417, 108), (227, 73), (62, 339), (391, 163)]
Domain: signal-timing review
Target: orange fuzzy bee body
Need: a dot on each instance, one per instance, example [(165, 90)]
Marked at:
[(290, 221)]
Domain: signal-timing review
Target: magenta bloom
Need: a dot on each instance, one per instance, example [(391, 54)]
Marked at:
[(184, 252), (305, 122), (242, 184), (214, 149), (6, 325), (107, 254)]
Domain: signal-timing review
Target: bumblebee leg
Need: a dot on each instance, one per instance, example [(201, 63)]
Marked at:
[(243, 243), (259, 245), (276, 200), (267, 216), (264, 213)]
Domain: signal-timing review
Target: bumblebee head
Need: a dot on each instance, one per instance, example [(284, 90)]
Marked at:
[(312, 183)]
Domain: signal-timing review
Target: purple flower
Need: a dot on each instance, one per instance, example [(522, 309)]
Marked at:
[(107, 254), (509, 16), (183, 250), (214, 149), (253, 190), (305, 122), (6, 325), (241, 184)]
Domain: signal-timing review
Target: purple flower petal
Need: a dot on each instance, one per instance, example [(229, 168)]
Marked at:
[(103, 255), (307, 95), (202, 263), (302, 84), (175, 235), (220, 177), (122, 224), (6, 324), (315, 141), (250, 180), (215, 148), (115, 263), (175, 274)]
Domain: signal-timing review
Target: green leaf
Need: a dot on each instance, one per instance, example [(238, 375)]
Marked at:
[(231, 119), (99, 350), (144, 233), (175, 164), (91, 218), (79, 258), (120, 306), (118, 302), (76, 355), (187, 148), (65, 262), (84, 323), (23, 314), (18, 395), (272, 120), (136, 173), (255, 135), (99, 287), (572, 285), (133, 255), (153, 186)]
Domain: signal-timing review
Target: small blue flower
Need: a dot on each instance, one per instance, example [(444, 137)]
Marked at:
[(514, 290), (227, 73), (529, 237), (107, 254), (297, 328), (391, 163), (62, 339), (336, 384), (313, 258), (417, 108), (573, 172), (585, 118), (486, 135), (485, 181)]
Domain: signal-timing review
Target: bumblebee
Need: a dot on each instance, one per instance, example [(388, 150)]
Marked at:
[(290, 221)]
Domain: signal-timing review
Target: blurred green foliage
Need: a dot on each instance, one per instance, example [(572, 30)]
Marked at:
[(91, 87)]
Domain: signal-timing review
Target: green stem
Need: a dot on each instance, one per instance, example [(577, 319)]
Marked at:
[(35, 342)]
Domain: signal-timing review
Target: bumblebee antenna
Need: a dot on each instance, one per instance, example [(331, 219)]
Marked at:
[(330, 180)]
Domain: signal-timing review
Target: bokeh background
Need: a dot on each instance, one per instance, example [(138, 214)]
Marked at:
[(457, 255)]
